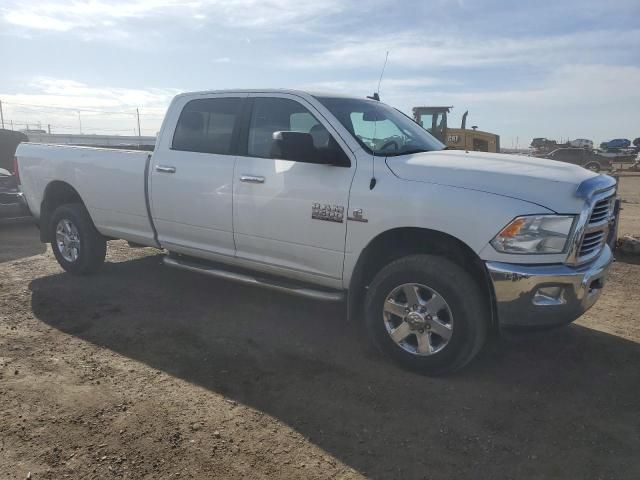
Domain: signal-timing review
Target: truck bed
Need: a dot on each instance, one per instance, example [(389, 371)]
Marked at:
[(112, 183)]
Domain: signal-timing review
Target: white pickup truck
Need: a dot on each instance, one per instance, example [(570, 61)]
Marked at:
[(334, 197)]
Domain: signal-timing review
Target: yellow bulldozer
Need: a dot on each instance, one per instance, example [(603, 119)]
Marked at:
[(434, 119)]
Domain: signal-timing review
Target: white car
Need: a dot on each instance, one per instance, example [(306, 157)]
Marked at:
[(582, 143), (337, 198)]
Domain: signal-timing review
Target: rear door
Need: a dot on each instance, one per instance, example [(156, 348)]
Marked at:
[(192, 173), (290, 215)]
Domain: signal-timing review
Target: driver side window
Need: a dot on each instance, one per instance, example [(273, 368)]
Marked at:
[(272, 115)]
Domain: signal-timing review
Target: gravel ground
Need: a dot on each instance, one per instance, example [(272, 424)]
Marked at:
[(143, 372)]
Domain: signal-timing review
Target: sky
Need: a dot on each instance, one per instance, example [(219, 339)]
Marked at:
[(557, 69)]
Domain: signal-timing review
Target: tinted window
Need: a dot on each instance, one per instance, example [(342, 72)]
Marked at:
[(271, 115), (207, 125)]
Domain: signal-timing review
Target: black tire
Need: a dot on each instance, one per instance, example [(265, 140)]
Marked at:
[(460, 291), (93, 246), (593, 166)]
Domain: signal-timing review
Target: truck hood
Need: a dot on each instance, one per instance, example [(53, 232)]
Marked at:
[(548, 183)]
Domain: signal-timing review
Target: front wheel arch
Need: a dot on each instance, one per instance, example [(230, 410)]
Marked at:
[(400, 242)]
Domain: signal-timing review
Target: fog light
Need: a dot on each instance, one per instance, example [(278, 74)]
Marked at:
[(549, 296)]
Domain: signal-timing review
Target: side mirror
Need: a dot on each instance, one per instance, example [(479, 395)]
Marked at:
[(299, 146), (293, 146)]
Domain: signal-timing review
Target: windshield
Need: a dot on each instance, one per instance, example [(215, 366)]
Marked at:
[(379, 128)]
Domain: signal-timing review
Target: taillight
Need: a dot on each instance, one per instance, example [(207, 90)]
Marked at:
[(15, 170)]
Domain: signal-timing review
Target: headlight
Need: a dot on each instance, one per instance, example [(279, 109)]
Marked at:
[(534, 234)]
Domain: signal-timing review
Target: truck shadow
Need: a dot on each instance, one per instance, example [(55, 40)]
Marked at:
[(19, 239), (568, 395)]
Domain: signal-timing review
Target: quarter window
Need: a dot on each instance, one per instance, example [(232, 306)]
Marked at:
[(207, 125)]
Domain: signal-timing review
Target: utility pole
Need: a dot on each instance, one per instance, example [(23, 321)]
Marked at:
[(80, 122), (1, 114), (49, 128), (138, 115)]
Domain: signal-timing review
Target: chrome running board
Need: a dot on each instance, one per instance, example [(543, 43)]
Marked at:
[(281, 285)]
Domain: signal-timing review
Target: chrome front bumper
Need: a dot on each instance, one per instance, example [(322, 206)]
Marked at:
[(547, 295)]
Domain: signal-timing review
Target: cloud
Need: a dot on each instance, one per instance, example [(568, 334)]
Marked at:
[(414, 50), (569, 86), (37, 21), (102, 109), (545, 67), (57, 15), (408, 85), (576, 101)]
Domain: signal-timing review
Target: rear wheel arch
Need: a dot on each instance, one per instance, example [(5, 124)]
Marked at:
[(56, 193), (401, 242)]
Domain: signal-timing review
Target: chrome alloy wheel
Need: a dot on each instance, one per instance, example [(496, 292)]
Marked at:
[(418, 319), (68, 240)]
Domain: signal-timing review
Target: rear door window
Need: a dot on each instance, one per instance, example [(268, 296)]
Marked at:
[(207, 125)]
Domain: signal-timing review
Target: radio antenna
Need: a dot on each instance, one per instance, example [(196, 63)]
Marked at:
[(386, 58), (376, 96)]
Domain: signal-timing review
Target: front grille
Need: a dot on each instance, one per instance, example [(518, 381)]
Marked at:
[(601, 212), (591, 243), (596, 230)]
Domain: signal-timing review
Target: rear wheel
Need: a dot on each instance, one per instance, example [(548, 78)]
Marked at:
[(77, 245), (427, 313)]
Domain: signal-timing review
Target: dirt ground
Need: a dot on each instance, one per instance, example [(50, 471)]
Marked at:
[(143, 372)]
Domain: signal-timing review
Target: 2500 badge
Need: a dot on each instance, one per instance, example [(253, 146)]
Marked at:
[(330, 213)]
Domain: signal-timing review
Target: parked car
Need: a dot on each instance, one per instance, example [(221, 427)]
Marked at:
[(12, 203), (582, 143), (334, 197), (543, 145), (579, 156), (9, 141), (616, 143)]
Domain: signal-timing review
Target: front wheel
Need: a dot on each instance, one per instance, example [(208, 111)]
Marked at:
[(427, 313), (77, 245)]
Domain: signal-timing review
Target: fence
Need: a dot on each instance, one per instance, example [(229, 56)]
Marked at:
[(53, 119)]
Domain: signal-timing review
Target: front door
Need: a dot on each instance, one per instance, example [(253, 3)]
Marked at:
[(192, 175), (290, 216)]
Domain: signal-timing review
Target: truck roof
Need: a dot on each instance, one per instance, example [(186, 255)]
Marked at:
[(273, 90)]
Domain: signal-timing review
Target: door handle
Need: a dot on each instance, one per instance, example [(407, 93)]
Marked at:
[(165, 169), (251, 179)]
